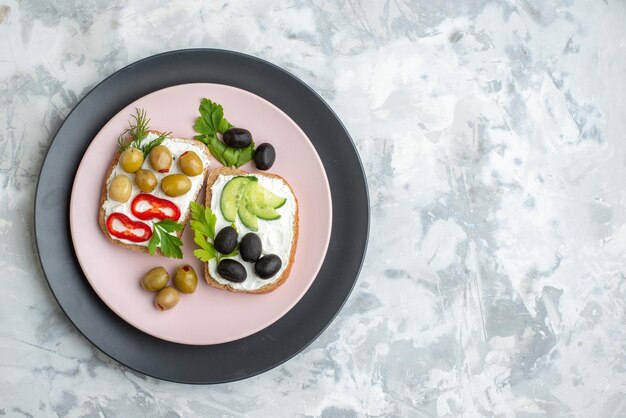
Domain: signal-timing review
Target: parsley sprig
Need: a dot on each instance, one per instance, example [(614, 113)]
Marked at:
[(203, 225), (208, 125), (136, 132), (163, 238)]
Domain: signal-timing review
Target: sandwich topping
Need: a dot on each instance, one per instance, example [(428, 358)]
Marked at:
[(122, 227), (269, 214), (157, 188), (231, 146), (148, 207)]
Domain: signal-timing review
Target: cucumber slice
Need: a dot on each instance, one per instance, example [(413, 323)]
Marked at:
[(262, 202), (248, 218), (231, 195), (261, 196), (244, 196), (264, 212)]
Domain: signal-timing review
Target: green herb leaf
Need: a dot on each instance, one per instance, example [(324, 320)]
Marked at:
[(170, 246), (210, 219), (213, 115), (154, 242), (140, 130), (164, 244), (203, 220), (224, 126), (136, 132), (202, 242), (208, 125), (123, 143), (163, 239), (216, 117), (219, 256), (202, 255), (197, 210), (146, 148), (199, 227), (217, 148), (169, 225), (231, 155), (245, 155), (202, 127), (203, 224)]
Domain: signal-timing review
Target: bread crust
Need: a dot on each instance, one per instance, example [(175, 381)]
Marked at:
[(227, 171), (103, 197)]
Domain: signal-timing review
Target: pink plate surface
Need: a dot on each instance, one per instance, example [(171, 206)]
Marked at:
[(208, 316)]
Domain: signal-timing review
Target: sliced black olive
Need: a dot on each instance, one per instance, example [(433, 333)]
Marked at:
[(267, 266), (226, 240), (250, 247), (264, 156), (232, 270), (237, 137)]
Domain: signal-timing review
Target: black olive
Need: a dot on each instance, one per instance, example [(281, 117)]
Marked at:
[(226, 240), (268, 266), (250, 247), (237, 137), (264, 156), (232, 270)]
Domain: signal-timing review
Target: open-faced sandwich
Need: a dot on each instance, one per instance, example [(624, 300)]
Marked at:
[(254, 228), (246, 232), (149, 187)]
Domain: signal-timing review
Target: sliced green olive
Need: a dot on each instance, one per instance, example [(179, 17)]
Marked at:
[(190, 164), (131, 159), (155, 279), (185, 279), (161, 158), (145, 180), (167, 298), (175, 185), (120, 188)]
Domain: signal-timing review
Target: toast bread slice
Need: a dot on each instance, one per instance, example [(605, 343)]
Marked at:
[(195, 146), (226, 171)]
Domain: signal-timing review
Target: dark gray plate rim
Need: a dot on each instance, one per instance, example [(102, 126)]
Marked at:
[(267, 348)]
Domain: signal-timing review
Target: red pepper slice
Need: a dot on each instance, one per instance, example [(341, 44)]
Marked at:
[(157, 208), (134, 231)]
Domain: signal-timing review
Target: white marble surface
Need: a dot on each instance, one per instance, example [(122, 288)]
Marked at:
[(493, 136)]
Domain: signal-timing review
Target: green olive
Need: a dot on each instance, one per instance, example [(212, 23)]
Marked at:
[(120, 188), (185, 279), (145, 180), (155, 280), (131, 159), (161, 159), (166, 299), (175, 185), (190, 164)]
